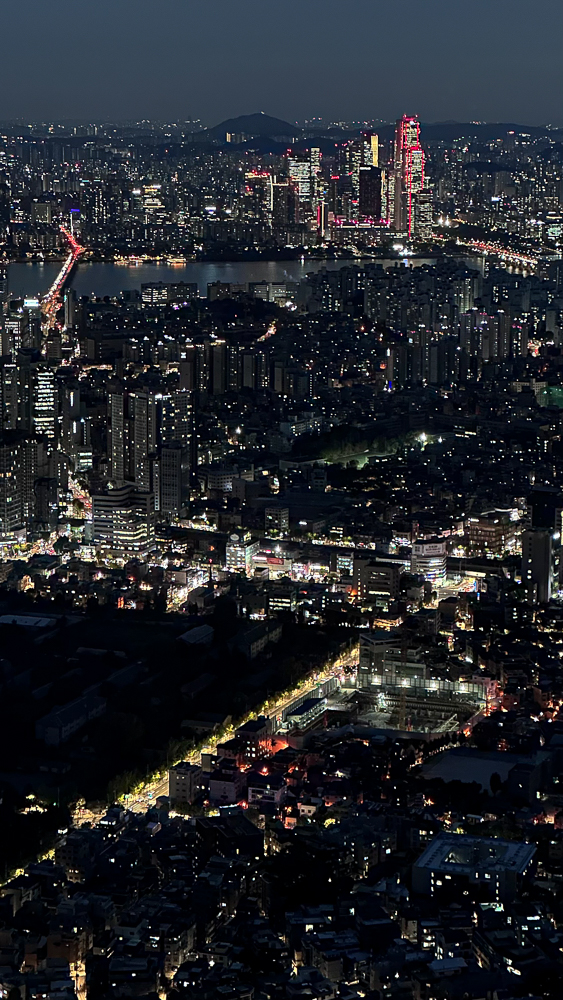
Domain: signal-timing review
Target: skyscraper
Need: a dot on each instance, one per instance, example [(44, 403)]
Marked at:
[(540, 567), (409, 172), (285, 204), (177, 451), (370, 193), (541, 544), (304, 170), (37, 398), (116, 441), (18, 468), (173, 478), (370, 157), (144, 436)]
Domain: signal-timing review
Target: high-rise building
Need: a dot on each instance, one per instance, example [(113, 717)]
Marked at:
[(370, 193), (176, 417), (540, 565), (545, 518), (45, 402), (18, 461), (284, 204), (116, 437), (299, 166), (176, 451), (388, 196), (304, 172), (409, 173), (545, 509), (37, 396), (173, 479), (259, 194), (370, 153), (485, 337), (422, 217), (9, 393), (219, 359), (76, 428), (69, 307), (14, 333), (123, 521), (142, 425)]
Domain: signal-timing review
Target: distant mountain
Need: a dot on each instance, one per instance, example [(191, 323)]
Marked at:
[(268, 134), (486, 131), (258, 124)]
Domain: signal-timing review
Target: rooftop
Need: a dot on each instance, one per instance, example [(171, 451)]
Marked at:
[(458, 853)]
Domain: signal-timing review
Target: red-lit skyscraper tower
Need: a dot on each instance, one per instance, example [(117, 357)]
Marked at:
[(409, 173)]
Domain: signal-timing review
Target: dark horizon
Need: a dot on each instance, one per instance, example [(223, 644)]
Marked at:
[(443, 61), (301, 123)]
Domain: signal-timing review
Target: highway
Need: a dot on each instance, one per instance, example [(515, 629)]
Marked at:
[(51, 300)]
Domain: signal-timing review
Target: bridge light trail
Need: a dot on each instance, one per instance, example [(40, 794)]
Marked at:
[(51, 300)]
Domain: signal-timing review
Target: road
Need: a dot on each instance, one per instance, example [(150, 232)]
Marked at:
[(142, 799), (496, 249), (491, 249), (51, 300)]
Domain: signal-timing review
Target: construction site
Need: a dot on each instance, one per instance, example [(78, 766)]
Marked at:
[(397, 688)]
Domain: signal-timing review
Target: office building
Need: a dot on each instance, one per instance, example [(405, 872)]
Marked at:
[(370, 150), (123, 521), (171, 482), (540, 565), (429, 559), (285, 205), (370, 193), (377, 582), (18, 460), (240, 550), (409, 173), (117, 442), (144, 438)]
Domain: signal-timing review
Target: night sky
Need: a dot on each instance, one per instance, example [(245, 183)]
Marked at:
[(493, 60)]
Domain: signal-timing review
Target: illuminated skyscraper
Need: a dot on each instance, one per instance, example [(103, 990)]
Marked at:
[(123, 521), (409, 173), (370, 150), (304, 172), (299, 166)]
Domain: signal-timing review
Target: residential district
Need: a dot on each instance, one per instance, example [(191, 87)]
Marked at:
[(281, 611)]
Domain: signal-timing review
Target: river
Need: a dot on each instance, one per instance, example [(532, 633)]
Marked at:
[(99, 279)]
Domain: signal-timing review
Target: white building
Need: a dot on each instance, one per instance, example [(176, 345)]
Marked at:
[(240, 551), (184, 782), (429, 559), (123, 521)]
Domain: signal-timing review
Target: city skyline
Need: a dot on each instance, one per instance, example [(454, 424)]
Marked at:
[(488, 62), (281, 500)]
